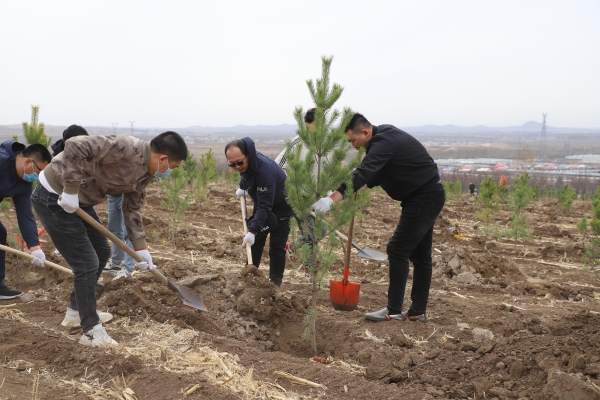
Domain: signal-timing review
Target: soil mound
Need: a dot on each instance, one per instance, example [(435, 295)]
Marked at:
[(458, 265)]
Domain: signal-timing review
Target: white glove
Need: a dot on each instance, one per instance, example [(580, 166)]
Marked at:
[(147, 263), (40, 258), (241, 192), (249, 238), (69, 202), (323, 205)]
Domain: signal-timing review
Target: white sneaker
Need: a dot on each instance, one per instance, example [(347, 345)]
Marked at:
[(122, 274), (57, 253), (96, 337), (72, 319)]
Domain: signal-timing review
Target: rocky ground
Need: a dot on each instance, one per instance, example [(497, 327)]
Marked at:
[(507, 320)]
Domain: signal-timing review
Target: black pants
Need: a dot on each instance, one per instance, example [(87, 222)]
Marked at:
[(85, 249), (277, 242), (412, 240)]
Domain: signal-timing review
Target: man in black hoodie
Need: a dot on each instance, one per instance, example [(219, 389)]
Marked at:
[(400, 164), (264, 180)]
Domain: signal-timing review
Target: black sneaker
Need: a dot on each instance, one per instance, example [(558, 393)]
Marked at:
[(111, 268), (7, 294)]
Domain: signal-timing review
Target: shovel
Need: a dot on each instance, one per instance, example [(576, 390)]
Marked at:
[(362, 251), (343, 294), (46, 263), (250, 268), (186, 295)]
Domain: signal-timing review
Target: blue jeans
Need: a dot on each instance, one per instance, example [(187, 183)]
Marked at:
[(412, 240), (116, 224), (83, 247)]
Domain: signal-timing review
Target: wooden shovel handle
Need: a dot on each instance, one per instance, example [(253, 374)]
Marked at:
[(98, 226), (244, 216), (46, 262), (31, 257)]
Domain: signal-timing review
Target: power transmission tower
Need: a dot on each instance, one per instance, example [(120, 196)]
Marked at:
[(115, 124), (544, 144), (132, 126)]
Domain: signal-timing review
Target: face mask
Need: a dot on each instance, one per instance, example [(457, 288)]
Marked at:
[(165, 174), (32, 177)]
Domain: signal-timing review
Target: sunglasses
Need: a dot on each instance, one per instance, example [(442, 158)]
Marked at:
[(235, 164)]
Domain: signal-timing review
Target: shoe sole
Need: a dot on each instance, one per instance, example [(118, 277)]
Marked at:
[(379, 319), (73, 324), (10, 297), (89, 344), (111, 271)]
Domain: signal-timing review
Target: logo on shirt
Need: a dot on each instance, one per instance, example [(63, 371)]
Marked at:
[(261, 189)]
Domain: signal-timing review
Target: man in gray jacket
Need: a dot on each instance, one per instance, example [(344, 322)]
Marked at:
[(89, 168)]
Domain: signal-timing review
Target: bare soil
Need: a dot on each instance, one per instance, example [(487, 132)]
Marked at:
[(507, 320)]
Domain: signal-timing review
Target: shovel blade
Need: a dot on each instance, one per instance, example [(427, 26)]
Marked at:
[(372, 254), (187, 296), (344, 295)]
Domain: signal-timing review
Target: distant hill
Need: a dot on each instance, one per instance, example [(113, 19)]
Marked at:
[(527, 127), (287, 130)]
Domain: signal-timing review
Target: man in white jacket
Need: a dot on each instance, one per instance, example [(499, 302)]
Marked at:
[(281, 159)]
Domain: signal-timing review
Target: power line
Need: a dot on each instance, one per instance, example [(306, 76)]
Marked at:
[(131, 126), (115, 124)]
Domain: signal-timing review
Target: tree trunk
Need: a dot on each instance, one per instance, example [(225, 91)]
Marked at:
[(313, 305)]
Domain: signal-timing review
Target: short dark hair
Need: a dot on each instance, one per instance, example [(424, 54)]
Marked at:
[(171, 144), (239, 143), (357, 121), (38, 152), (74, 130), (309, 117)]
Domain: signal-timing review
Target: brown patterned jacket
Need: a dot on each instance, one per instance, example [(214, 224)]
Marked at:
[(94, 166)]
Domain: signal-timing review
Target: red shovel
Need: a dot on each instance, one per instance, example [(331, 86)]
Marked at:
[(343, 294)]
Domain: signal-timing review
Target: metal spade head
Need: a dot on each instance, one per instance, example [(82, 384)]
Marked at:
[(187, 296), (344, 295), (371, 254)]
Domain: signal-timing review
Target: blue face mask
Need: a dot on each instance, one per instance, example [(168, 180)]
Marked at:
[(32, 177), (165, 174)]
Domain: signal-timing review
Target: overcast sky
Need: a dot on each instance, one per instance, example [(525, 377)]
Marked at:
[(222, 63)]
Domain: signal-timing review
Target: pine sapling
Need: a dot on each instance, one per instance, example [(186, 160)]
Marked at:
[(582, 226), (176, 203), (310, 177), (521, 194), (33, 131), (488, 201), (566, 197)]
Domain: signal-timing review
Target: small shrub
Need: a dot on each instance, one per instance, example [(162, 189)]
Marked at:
[(582, 225), (566, 197)]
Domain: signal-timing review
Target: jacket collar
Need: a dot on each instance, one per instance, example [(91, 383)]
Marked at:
[(370, 142), (146, 154)]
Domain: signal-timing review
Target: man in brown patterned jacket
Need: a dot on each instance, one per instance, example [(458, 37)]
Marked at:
[(82, 175)]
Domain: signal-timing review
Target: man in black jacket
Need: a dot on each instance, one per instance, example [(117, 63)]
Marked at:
[(19, 168), (400, 164), (264, 180)]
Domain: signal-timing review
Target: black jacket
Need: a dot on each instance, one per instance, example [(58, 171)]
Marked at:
[(265, 182), (20, 191), (397, 162)]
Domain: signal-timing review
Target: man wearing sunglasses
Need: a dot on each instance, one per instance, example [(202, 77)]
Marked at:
[(264, 180), (19, 168)]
